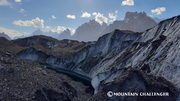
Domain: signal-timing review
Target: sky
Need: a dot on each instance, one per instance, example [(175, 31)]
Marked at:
[(22, 17)]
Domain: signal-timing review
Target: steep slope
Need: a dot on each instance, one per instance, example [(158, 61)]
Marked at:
[(5, 36), (5, 45), (24, 80), (137, 22), (155, 52), (89, 31)]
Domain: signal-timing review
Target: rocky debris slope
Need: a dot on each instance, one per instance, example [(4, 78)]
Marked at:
[(136, 81), (24, 80), (6, 45)]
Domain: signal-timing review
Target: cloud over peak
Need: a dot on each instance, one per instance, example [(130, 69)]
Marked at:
[(112, 16), (60, 29), (100, 18), (158, 11), (34, 23), (12, 33), (71, 16), (128, 2), (85, 15)]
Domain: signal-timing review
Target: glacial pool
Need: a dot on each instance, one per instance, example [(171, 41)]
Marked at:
[(75, 76)]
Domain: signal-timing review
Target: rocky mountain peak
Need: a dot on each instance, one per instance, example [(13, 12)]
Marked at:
[(37, 32), (89, 31), (93, 22), (136, 15), (104, 25), (134, 21)]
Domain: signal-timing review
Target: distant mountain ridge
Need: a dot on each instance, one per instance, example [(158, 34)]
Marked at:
[(158, 19), (134, 21), (92, 30), (89, 31)]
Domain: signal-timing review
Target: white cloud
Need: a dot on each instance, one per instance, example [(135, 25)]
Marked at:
[(150, 15), (4, 3), (12, 33), (34, 22), (116, 11), (100, 18), (17, 0), (94, 13), (128, 2), (48, 27), (53, 17), (60, 29), (112, 17), (85, 15), (22, 10), (71, 16), (158, 11)]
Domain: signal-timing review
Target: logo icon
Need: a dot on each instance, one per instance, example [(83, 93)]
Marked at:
[(110, 94)]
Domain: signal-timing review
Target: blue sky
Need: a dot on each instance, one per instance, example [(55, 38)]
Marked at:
[(22, 17)]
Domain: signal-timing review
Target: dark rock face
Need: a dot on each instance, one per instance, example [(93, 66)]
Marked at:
[(137, 22), (32, 54), (134, 80)]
